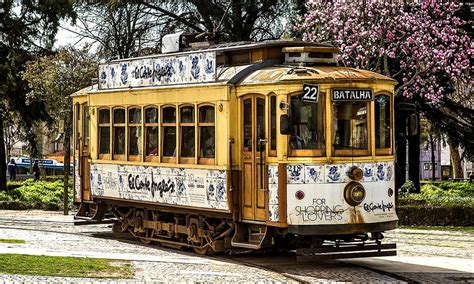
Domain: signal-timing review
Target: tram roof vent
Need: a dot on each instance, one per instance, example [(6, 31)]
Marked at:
[(310, 55), (177, 41)]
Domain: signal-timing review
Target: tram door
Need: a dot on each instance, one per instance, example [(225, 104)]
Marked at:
[(84, 153), (253, 153)]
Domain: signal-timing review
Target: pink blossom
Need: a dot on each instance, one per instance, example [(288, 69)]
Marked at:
[(421, 41)]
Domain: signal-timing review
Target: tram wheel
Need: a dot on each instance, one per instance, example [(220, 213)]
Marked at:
[(201, 251), (144, 234)]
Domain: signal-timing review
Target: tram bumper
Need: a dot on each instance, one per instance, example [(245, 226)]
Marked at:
[(341, 229)]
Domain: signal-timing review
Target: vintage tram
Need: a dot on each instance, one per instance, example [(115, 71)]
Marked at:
[(220, 147)]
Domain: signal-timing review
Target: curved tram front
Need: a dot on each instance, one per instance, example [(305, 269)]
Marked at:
[(240, 146)]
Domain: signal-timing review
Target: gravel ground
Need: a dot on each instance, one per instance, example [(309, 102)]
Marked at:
[(54, 234)]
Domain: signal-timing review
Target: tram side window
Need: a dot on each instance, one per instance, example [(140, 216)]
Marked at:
[(169, 131), (151, 131), (134, 131), (382, 122), (119, 132), (207, 134), (273, 125), (306, 125), (104, 131), (187, 128), (350, 128)]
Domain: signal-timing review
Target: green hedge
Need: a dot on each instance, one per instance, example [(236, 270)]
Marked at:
[(35, 195), (435, 216), (444, 194), (438, 204)]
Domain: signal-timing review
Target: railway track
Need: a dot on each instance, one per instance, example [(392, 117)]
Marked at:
[(284, 264)]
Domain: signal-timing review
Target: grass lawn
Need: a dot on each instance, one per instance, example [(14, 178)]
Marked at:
[(441, 228), (64, 266), (12, 241)]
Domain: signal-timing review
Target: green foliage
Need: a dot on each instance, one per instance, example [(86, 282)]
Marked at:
[(64, 266), (407, 188), (12, 241), (36, 195), (445, 194)]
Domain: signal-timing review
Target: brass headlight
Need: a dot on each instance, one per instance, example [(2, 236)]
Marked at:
[(354, 193)]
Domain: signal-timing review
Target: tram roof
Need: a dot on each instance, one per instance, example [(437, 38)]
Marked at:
[(265, 71), (275, 74), (253, 74), (233, 46)]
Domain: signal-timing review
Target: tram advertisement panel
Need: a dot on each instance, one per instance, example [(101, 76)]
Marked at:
[(323, 201), (155, 71), (189, 187)]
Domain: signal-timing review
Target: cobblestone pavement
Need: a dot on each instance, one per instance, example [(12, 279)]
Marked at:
[(53, 234)]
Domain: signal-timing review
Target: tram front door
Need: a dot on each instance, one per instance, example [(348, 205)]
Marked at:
[(253, 158)]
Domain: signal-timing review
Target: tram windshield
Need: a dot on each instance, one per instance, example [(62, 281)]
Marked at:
[(306, 125), (350, 126)]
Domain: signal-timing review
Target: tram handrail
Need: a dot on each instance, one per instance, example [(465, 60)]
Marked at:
[(261, 145), (231, 141)]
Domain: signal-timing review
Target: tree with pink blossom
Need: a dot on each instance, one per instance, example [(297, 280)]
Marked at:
[(424, 47)]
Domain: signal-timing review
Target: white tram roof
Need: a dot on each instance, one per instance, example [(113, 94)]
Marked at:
[(204, 66)]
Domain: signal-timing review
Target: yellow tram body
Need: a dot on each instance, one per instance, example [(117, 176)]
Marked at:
[(201, 185)]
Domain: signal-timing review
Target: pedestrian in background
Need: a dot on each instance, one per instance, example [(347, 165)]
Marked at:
[(12, 169), (36, 171)]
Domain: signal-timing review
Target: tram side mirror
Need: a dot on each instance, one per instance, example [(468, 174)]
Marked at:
[(285, 124)]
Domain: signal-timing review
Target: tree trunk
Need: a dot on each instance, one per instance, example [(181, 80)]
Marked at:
[(67, 155), (3, 158), (433, 160), (400, 150), (455, 159), (414, 158)]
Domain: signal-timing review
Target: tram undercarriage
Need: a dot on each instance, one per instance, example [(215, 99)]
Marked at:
[(212, 234)]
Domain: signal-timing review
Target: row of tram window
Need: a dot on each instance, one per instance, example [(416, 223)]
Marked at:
[(193, 125), (350, 127)]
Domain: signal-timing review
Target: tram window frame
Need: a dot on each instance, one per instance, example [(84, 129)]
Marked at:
[(147, 125), (310, 152), (168, 159), (272, 119), (181, 125), (104, 125), (384, 151), (115, 125), (138, 125), (200, 125), (352, 152)]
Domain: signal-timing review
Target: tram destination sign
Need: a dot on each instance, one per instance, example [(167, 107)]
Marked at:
[(352, 95)]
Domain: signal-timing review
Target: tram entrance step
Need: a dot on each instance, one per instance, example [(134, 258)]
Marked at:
[(332, 251), (251, 236)]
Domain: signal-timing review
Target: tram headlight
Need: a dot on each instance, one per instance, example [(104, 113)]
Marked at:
[(354, 193)]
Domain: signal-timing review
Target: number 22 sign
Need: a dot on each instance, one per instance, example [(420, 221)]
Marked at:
[(310, 93)]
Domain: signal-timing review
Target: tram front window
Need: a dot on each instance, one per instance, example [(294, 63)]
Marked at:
[(382, 121), (306, 125), (350, 127)]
